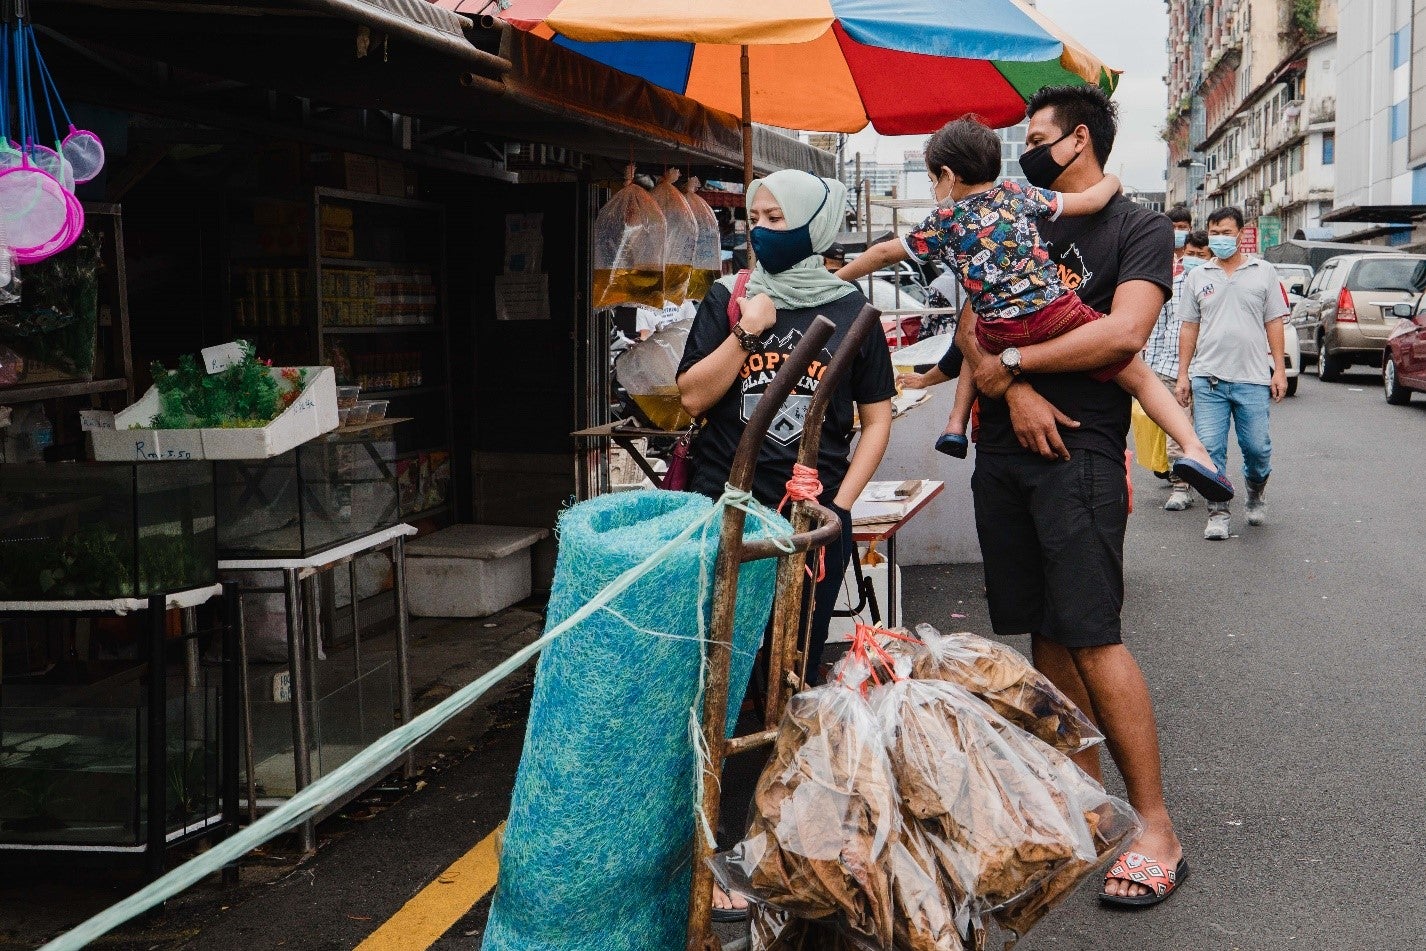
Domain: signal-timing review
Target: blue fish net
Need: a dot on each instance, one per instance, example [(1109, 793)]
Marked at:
[(598, 845)]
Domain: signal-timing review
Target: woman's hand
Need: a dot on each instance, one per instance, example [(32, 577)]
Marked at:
[(759, 314), (912, 381)]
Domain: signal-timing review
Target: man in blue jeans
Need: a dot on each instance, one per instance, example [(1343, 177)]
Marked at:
[(1232, 310)]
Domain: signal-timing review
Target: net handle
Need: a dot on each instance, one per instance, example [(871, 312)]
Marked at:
[(51, 88)]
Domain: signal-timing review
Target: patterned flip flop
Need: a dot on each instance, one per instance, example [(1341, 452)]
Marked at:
[(1210, 483), (1141, 870)]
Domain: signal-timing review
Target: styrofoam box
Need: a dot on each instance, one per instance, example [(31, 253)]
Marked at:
[(313, 413), (469, 570)]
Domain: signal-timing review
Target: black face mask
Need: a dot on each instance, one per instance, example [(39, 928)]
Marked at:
[(1040, 167)]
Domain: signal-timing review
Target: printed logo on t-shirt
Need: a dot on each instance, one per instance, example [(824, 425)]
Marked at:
[(1206, 291), (758, 371), (1075, 274)]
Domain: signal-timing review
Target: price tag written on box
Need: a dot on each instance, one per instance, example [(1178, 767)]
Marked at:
[(219, 358), (92, 419)]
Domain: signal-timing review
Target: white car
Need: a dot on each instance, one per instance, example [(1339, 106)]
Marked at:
[(1292, 347)]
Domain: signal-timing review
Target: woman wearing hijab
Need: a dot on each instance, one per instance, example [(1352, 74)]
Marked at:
[(793, 217)]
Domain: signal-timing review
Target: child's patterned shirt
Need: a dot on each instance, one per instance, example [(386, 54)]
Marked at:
[(991, 241)]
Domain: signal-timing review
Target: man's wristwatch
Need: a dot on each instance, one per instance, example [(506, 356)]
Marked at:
[(1010, 360), (748, 341)]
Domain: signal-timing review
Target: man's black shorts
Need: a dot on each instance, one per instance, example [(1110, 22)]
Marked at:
[(1052, 537)]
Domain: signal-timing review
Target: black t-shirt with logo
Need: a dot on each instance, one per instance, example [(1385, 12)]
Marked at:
[(1095, 254), (870, 380)]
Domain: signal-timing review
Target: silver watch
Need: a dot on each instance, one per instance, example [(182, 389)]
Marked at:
[(1010, 360)]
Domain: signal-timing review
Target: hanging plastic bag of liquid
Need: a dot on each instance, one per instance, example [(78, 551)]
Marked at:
[(648, 371), (680, 240), (628, 249), (708, 252)]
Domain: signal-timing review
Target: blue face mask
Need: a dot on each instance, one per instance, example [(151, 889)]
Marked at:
[(779, 250), (1223, 246), (1189, 262), (1179, 238)]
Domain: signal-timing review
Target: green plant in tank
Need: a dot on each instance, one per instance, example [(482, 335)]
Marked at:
[(57, 316), (244, 395)]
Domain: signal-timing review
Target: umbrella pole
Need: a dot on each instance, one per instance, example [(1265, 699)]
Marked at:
[(747, 140), (747, 120)]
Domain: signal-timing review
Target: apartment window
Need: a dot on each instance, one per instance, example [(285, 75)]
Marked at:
[(1329, 149), (1401, 47), (1400, 124), (1397, 238)]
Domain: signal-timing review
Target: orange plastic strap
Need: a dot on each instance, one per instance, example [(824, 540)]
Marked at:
[(806, 486)]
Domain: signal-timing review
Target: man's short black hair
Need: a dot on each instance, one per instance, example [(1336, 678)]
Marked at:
[(1199, 238), (968, 147), (836, 252), (1076, 106), (1179, 214), (1222, 214)]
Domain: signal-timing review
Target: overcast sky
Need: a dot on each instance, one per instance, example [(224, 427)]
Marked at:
[(1128, 35)]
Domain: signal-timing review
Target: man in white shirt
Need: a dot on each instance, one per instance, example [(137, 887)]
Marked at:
[(1232, 310)]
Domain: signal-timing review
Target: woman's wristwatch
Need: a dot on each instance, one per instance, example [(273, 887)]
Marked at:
[(748, 341)]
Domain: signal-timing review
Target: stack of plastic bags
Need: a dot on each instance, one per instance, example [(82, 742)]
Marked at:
[(629, 237), (922, 794)]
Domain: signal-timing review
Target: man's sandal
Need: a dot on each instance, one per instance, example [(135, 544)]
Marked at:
[(1139, 869)]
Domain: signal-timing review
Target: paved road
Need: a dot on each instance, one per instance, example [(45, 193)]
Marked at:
[(1287, 665)]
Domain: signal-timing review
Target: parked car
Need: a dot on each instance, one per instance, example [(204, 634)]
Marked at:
[(1403, 364), (1296, 278), (1347, 315), (1292, 358)]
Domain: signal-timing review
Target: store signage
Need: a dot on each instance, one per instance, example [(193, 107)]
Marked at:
[(1248, 240), (1269, 231)]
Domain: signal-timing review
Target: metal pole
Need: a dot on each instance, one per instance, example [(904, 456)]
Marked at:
[(356, 642), (231, 618), (896, 283), (719, 647), (866, 197), (245, 687), (297, 681), (157, 837), (748, 173), (403, 644)]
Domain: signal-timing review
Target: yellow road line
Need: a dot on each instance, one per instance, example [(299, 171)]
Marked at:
[(438, 906)]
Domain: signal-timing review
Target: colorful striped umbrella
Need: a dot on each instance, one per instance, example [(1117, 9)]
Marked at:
[(904, 66)]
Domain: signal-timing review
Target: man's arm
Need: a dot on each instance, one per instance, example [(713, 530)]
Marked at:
[(1277, 344), (1187, 346), (1119, 335), (1092, 200), (1035, 419)]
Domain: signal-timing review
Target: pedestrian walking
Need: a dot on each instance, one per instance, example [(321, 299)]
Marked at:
[(1051, 499), (1182, 220), (1232, 310), (1162, 352)]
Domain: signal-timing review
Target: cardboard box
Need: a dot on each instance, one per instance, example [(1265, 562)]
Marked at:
[(313, 413), (391, 178)]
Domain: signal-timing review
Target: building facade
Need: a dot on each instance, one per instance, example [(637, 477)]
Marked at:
[(1381, 148), (1252, 96)]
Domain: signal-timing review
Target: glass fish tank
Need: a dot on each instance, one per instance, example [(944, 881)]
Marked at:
[(98, 531), (326, 492)]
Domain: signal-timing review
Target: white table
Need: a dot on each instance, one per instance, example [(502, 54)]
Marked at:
[(300, 609)]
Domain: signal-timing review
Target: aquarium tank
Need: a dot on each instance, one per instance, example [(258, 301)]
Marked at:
[(103, 530)]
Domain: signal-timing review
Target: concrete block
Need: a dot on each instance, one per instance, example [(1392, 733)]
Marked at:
[(469, 570)]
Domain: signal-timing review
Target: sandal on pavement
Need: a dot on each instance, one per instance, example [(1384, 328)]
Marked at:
[(730, 915), (1210, 483), (1139, 869)]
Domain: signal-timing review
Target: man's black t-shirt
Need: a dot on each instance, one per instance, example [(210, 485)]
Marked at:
[(1095, 254), (871, 380)]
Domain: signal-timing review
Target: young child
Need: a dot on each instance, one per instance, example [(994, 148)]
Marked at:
[(986, 232)]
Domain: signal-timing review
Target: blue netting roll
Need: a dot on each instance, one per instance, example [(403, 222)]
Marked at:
[(598, 846)]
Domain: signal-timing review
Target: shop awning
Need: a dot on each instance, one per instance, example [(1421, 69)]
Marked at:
[(420, 61), (1377, 214), (601, 111)]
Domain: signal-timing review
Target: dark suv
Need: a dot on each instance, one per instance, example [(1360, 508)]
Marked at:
[(1346, 315)]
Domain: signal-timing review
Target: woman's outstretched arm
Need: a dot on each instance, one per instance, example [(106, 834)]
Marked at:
[(876, 433)]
